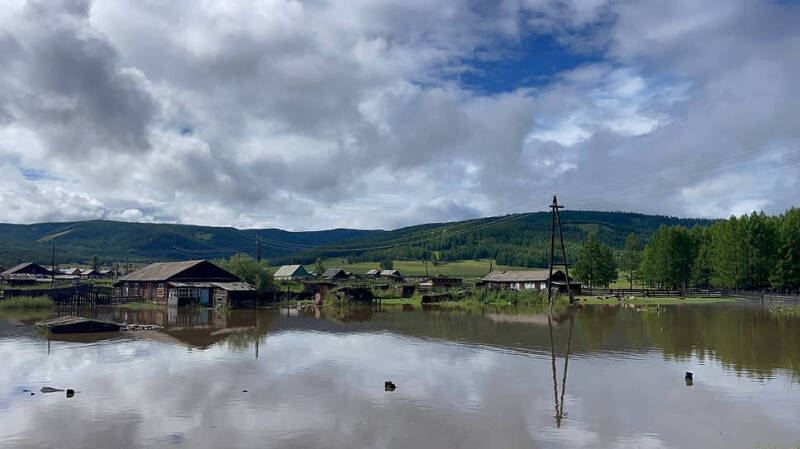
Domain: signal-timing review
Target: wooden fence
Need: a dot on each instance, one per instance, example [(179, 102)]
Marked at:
[(80, 294)]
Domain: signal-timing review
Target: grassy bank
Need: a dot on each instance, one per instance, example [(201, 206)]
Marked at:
[(785, 311), (646, 301), (26, 302)]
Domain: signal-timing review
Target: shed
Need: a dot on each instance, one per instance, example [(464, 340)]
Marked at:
[(391, 274)]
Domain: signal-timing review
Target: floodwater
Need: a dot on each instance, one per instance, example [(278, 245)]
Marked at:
[(314, 379)]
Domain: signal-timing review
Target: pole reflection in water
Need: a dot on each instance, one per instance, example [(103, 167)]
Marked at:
[(559, 402)]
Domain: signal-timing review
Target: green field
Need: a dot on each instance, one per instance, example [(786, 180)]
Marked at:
[(461, 268)]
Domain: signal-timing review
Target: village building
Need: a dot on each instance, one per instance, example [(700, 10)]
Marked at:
[(291, 273), (440, 281), (70, 271), (106, 274), (28, 273), (529, 280), (373, 273), (334, 274), (184, 283), (393, 275), (90, 274)]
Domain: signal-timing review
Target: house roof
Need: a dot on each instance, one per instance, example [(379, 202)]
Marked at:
[(518, 276), (71, 270), (373, 272), (164, 270), (390, 273), (287, 270), (21, 267), (332, 272), (235, 286)]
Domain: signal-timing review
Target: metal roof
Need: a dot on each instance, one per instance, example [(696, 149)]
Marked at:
[(332, 272), (235, 286), (518, 276), (286, 270), (21, 267), (161, 271)]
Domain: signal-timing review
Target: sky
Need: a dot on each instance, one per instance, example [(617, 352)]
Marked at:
[(317, 114)]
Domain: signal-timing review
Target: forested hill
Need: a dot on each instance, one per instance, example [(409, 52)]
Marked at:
[(522, 239), (115, 241), (513, 239)]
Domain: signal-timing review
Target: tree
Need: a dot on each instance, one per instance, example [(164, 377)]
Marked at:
[(95, 263), (631, 257), (318, 267), (786, 275), (668, 257), (254, 273), (386, 263), (596, 264)]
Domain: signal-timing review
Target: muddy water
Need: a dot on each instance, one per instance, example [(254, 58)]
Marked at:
[(464, 380)]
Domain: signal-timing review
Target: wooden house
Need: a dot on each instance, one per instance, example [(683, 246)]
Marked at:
[(177, 283), (529, 280), (334, 274), (28, 273), (392, 275), (373, 273), (291, 273), (440, 281)]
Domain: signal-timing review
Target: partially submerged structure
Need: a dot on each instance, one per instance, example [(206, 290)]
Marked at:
[(75, 324), (291, 273), (529, 280), (184, 283)]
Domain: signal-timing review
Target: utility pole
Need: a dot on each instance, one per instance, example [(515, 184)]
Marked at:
[(490, 265), (258, 249), (556, 217), (555, 207), (53, 264)]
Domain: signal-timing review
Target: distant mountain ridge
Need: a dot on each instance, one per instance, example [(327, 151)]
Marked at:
[(521, 239)]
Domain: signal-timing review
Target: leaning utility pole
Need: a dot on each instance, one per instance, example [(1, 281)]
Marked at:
[(556, 217), (53, 265)]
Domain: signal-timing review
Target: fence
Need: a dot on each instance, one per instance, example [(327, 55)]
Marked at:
[(80, 294), (656, 293)]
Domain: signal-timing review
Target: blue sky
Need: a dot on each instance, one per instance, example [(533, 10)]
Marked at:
[(379, 114)]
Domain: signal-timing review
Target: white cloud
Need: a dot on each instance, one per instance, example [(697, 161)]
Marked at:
[(294, 114)]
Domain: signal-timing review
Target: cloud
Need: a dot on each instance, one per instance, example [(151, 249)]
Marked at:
[(297, 114)]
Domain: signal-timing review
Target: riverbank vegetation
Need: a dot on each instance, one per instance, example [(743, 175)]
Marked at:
[(26, 302)]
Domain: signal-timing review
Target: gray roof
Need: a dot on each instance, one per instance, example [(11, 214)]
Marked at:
[(390, 273), (518, 276), (286, 270), (21, 267), (331, 272), (235, 286), (160, 271), (373, 272)]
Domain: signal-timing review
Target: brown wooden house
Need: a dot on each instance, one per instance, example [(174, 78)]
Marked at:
[(179, 283)]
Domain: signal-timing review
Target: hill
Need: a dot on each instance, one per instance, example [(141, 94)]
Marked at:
[(514, 240), (144, 242)]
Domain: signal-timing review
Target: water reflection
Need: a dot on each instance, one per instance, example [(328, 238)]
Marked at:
[(473, 378)]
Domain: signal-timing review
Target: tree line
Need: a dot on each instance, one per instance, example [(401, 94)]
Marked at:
[(751, 252)]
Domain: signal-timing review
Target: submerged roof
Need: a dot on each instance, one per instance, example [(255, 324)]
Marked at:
[(518, 276)]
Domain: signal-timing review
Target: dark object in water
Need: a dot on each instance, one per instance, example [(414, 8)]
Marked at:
[(50, 390), (389, 386), (75, 324), (244, 391), (70, 392), (688, 375), (689, 378)]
